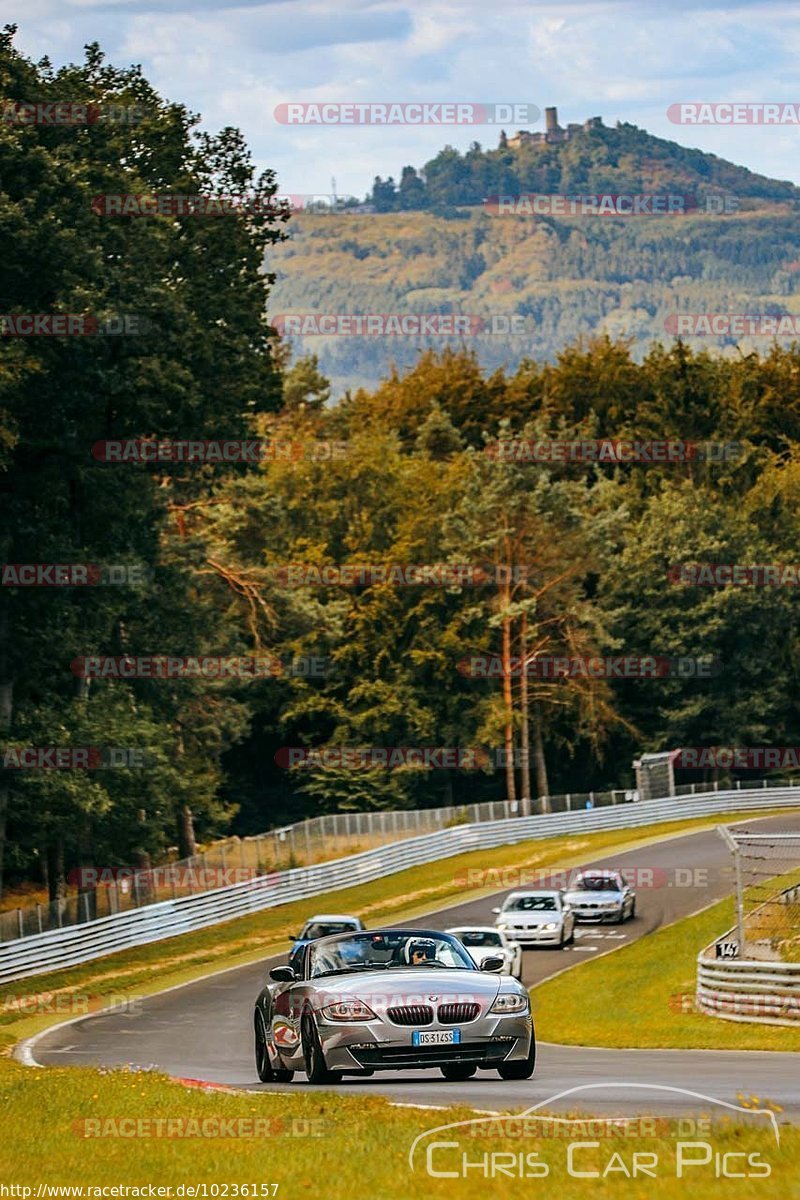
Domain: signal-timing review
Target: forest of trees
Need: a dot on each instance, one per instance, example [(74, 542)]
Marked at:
[(413, 481)]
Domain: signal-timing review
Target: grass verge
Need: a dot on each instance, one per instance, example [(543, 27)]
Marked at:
[(337, 1148)]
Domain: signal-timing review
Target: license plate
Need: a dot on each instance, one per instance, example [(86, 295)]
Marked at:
[(435, 1037)]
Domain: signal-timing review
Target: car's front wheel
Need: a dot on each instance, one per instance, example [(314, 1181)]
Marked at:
[(520, 1070), (264, 1068), (314, 1058), (458, 1071)]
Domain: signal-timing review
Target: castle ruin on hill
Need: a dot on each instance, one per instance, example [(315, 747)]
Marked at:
[(553, 133)]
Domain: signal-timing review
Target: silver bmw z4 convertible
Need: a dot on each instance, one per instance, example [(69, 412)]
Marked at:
[(392, 1000)]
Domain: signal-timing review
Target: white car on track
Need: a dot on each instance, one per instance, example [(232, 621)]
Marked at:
[(537, 918), (480, 940)]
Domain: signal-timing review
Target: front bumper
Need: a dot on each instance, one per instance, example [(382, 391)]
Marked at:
[(376, 1045), (536, 936), (593, 913)]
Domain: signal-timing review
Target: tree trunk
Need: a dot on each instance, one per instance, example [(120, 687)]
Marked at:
[(542, 785), (87, 893), (56, 881), (525, 752), (186, 839), (508, 697)]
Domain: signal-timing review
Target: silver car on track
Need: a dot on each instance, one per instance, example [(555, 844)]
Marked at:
[(599, 894), (392, 1000)]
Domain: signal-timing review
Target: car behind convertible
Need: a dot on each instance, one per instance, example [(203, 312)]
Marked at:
[(391, 1000)]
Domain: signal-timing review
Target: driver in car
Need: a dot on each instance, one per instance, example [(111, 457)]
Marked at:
[(419, 951)]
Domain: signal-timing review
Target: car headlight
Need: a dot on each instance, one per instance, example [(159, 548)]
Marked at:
[(510, 1002), (550, 925), (502, 925), (348, 1010)]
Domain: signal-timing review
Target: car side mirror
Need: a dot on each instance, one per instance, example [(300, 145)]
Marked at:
[(283, 974), (497, 910), (493, 962)]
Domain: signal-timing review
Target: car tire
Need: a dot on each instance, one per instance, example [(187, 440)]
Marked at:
[(632, 913), (561, 940), (264, 1068), (314, 1057), (571, 938), (263, 1065), (457, 1072), (520, 1070)]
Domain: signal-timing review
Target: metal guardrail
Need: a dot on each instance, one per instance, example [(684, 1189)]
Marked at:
[(62, 948), (232, 860), (737, 989), (756, 990)]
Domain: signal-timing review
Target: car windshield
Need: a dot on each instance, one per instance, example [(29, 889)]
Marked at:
[(386, 951), (597, 883), (532, 904), (479, 937), (321, 929)]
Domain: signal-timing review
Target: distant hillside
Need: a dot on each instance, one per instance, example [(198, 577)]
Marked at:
[(597, 159), (564, 276)]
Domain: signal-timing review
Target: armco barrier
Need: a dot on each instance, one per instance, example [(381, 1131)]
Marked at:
[(758, 991), (762, 993), (59, 948)]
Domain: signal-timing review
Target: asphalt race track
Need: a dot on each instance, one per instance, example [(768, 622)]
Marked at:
[(203, 1030)]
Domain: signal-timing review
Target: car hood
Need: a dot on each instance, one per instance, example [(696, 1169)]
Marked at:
[(593, 897), (379, 989), (530, 918), (479, 953)]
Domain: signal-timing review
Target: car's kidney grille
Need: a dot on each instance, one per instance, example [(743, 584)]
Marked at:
[(450, 1014), (410, 1014)]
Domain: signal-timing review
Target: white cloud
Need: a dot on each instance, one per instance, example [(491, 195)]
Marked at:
[(234, 60)]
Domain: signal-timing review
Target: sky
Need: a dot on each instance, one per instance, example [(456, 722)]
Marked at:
[(234, 61)]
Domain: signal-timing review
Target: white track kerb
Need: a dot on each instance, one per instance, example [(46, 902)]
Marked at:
[(45, 952)]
